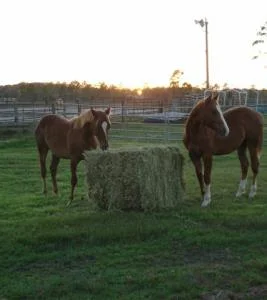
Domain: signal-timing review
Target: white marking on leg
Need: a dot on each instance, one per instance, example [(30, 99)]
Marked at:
[(241, 188), (253, 190), (207, 196), (223, 119), (104, 126)]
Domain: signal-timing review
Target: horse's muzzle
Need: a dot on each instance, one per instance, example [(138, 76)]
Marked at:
[(223, 131), (104, 147)]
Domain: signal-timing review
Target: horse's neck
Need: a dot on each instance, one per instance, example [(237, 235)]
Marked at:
[(192, 130), (198, 137)]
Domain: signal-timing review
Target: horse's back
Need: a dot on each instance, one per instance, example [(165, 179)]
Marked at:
[(243, 111), (250, 120), (51, 132), (243, 114), (51, 124)]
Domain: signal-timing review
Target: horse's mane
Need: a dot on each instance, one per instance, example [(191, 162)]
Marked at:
[(85, 117), (194, 110)]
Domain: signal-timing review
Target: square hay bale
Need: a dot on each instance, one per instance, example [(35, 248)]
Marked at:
[(135, 179)]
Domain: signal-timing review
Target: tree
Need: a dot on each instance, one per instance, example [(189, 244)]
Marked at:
[(225, 86), (175, 78), (262, 35), (187, 86), (174, 82), (74, 88)]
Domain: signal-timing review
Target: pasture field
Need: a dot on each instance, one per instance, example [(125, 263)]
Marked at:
[(50, 251)]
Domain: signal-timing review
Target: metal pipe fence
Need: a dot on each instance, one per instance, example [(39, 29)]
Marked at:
[(152, 122)]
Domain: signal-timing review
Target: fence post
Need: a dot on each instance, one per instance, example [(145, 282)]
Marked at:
[(16, 117), (79, 106), (122, 110), (53, 107), (161, 105), (34, 112), (64, 109)]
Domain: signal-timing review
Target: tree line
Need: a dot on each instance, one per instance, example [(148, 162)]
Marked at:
[(76, 91)]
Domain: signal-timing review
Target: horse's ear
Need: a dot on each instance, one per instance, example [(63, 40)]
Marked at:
[(93, 112), (107, 111), (215, 97)]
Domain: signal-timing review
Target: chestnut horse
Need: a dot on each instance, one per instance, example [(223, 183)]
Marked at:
[(69, 138), (210, 132)]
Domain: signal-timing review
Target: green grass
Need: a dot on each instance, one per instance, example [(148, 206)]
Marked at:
[(50, 251)]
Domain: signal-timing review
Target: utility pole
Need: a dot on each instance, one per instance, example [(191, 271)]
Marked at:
[(204, 23)]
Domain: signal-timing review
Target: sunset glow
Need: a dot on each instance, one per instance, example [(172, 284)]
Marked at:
[(131, 43)]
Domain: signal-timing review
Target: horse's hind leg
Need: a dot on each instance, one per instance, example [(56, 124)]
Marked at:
[(255, 162), (43, 150), (53, 171), (74, 180), (207, 159), (244, 164)]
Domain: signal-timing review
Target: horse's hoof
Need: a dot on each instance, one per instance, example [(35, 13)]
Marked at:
[(206, 202), (252, 194), (239, 193), (253, 191)]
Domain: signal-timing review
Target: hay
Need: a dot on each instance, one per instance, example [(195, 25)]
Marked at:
[(136, 179)]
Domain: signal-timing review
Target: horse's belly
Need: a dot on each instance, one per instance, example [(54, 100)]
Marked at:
[(226, 147), (59, 149), (223, 152)]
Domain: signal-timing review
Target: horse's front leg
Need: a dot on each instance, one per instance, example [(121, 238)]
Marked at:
[(196, 159), (207, 159), (74, 180)]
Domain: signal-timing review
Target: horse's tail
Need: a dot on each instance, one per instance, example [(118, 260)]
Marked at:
[(39, 134), (260, 135)]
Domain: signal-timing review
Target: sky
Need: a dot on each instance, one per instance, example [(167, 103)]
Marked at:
[(131, 43)]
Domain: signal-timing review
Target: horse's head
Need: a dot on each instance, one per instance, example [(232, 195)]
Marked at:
[(213, 116), (103, 125)]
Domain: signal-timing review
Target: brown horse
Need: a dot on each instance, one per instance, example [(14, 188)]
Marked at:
[(69, 138), (210, 132)]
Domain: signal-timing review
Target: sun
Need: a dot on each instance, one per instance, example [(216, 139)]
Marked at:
[(139, 92)]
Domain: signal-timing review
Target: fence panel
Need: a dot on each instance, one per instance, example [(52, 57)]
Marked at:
[(152, 121)]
